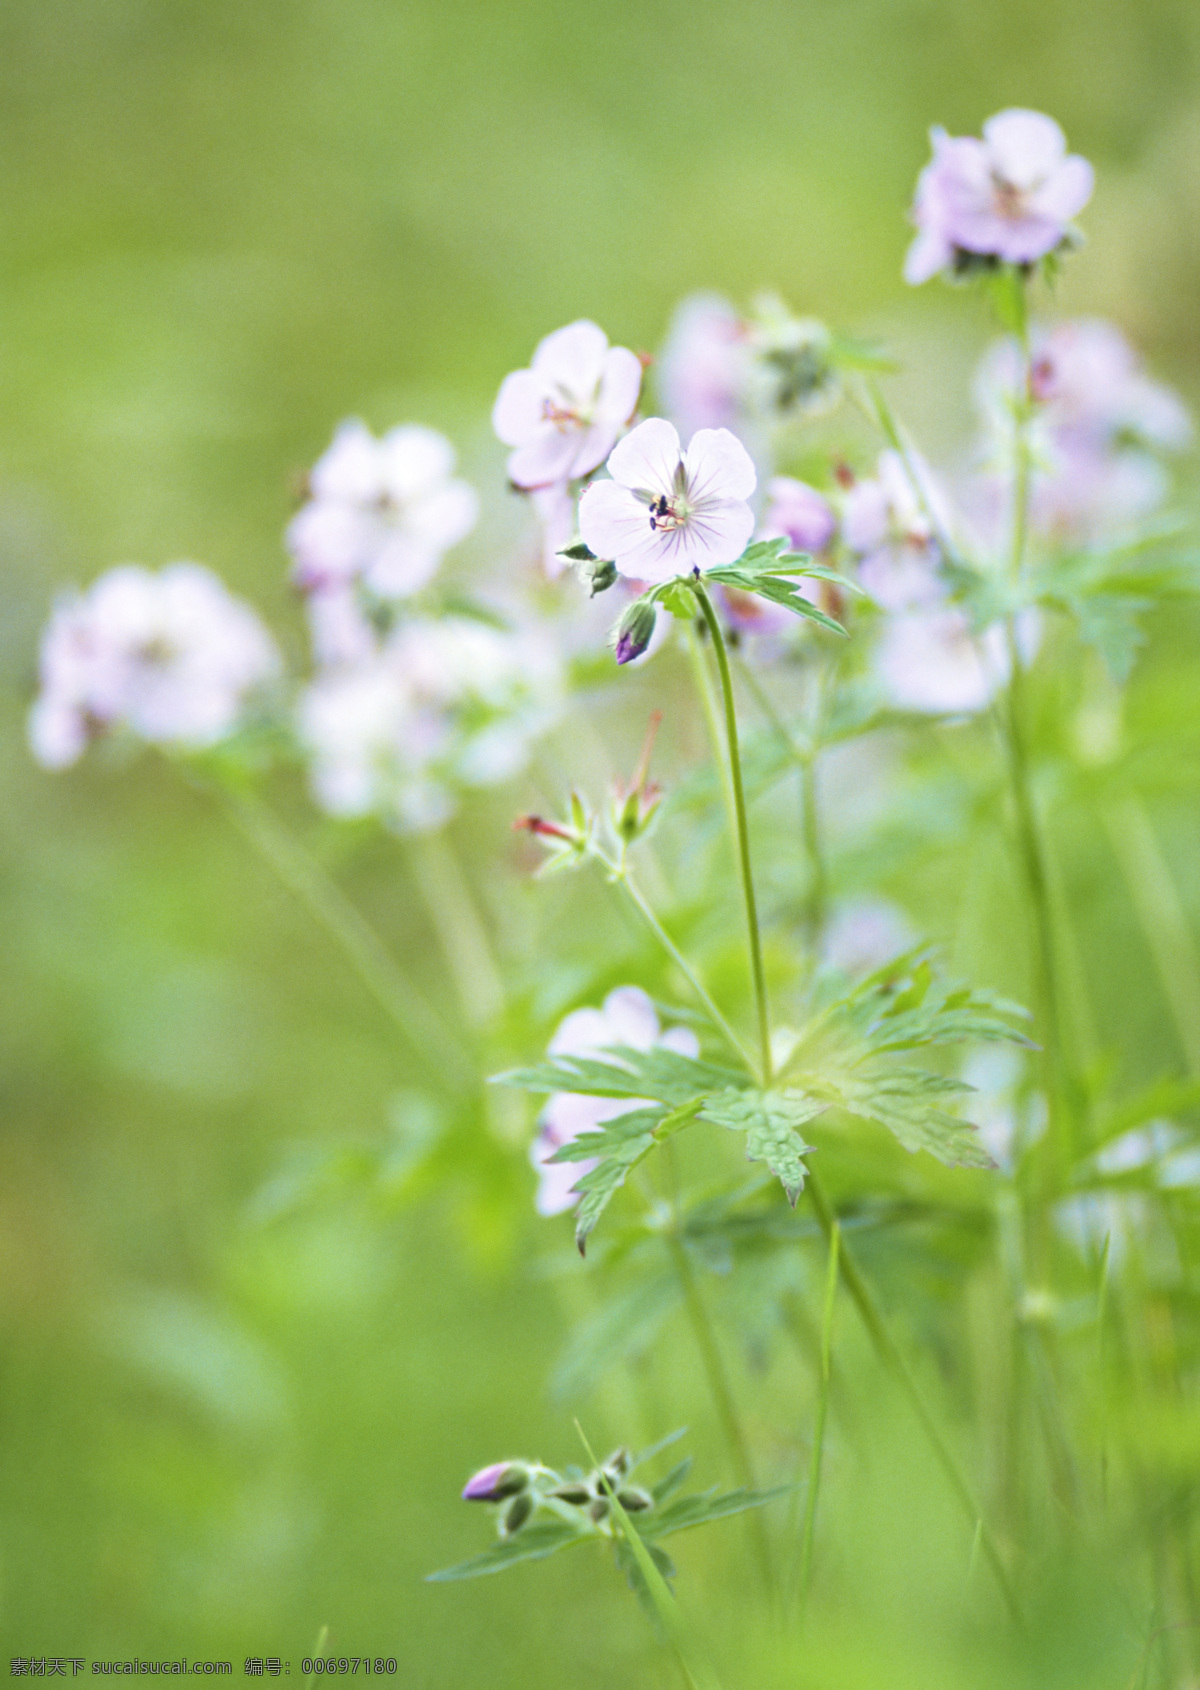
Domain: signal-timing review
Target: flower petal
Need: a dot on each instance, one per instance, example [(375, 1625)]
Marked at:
[(572, 358), (615, 523), (717, 532), (518, 413), (1064, 194), (1026, 146), (414, 458), (647, 458), (620, 385), (718, 466), (351, 468), (548, 457)]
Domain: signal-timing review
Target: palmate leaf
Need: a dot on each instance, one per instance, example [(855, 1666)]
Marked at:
[(532, 1543), (770, 1121), (617, 1146), (664, 1076), (905, 1101)]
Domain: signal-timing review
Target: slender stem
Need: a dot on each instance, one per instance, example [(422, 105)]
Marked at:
[(324, 900), (1163, 918), (742, 830), (872, 400), (712, 721), (620, 876), (459, 928), (714, 1368), (818, 1448), (889, 1354)]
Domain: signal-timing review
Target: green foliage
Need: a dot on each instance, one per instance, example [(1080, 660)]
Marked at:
[(771, 1121)]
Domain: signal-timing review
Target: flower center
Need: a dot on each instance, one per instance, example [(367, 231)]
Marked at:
[(563, 417), (666, 514), (1010, 200)]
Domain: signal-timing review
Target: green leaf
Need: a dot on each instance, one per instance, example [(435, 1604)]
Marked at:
[(665, 1076), (533, 1543), (770, 1121), (689, 1511), (676, 597), (617, 1146), (904, 1101), (666, 1487)]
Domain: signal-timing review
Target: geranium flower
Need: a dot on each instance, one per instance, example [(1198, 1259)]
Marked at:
[(668, 512), (933, 662), (704, 367), (1009, 197), (885, 523), (172, 657), (383, 513), (627, 1018), (799, 514), (564, 413)]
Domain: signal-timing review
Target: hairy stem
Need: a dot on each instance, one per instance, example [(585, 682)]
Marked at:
[(324, 900), (889, 1354), (742, 831)]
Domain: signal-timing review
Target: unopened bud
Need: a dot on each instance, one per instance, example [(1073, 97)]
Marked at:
[(598, 1510), (634, 631), (634, 1500), (516, 1514), (494, 1483), (618, 1463), (575, 1494), (598, 574)]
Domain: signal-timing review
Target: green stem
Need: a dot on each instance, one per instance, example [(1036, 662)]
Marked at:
[(718, 1381), (890, 1356), (742, 830), (712, 722), (378, 970), (619, 875), (872, 400), (818, 1448)]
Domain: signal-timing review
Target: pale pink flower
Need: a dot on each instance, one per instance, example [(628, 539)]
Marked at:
[(704, 367), (667, 511), (865, 933), (1009, 197), (627, 1018), (798, 513), (171, 657), (383, 512), (885, 524), (932, 662), (565, 412), (555, 508)]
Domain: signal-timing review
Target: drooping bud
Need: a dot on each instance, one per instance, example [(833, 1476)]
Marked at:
[(494, 1483), (598, 574), (516, 1514), (635, 1500), (634, 631), (598, 1510)]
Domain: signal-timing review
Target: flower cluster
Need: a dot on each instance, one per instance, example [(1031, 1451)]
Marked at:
[(172, 658)]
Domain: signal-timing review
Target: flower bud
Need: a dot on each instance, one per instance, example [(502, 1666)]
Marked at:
[(598, 1510), (634, 1500), (516, 1514), (618, 1463), (575, 1494), (598, 574), (634, 631), (494, 1483)]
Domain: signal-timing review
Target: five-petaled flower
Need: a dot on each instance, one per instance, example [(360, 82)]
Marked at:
[(668, 511), (565, 411), (1009, 197)]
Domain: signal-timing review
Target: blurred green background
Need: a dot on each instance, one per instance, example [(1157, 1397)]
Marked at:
[(222, 228)]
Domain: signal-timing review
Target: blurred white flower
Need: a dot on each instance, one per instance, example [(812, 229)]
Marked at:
[(383, 512), (563, 414), (704, 367), (1099, 422), (627, 1018), (863, 934), (172, 657), (932, 661), (444, 703), (886, 524), (555, 508)]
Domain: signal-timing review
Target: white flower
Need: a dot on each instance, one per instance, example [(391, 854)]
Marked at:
[(627, 1018), (884, 522), (555, 507), (172, 657), (444, 703), (667, 512), (565, 411), (382, 513), (704, 367), (933, 662)]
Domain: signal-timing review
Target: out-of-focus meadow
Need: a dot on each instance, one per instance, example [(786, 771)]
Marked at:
[(224, 228)]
